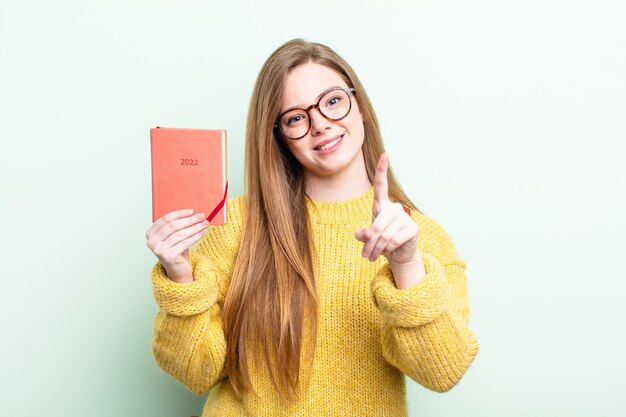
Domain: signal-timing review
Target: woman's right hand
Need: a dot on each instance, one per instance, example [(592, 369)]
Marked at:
[(170, 238)]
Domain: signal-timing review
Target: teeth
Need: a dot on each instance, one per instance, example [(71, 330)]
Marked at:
[(330, 144)]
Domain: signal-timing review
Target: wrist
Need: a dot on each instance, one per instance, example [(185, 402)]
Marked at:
[(408, 274), (185, 279)]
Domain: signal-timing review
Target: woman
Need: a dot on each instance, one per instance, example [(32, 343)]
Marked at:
[(325, 266)]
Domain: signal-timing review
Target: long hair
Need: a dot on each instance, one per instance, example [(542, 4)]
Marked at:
[(272, 300)]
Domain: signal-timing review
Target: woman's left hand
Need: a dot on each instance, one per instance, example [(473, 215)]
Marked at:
[(393, 233)]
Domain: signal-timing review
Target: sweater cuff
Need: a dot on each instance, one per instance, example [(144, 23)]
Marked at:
[(186, 299), (416, 305)]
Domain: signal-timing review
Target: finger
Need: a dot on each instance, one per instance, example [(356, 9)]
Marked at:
[(170, 250), (404, 235), (362, 234), (381, 193), (184, 233), (178, 224), (381, 222), (163, 220), (157, 241), (185, 244), (389, 235)]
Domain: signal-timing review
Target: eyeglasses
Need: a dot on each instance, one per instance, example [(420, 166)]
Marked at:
[(334, 105)]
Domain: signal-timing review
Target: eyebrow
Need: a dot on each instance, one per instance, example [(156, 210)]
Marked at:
[(320, 95)]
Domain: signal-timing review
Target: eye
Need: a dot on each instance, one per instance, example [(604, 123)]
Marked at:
[(295, 119), (333, 101)]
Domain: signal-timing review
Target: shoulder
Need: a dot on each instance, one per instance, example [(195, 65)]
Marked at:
[(220, 243), (236, 209), (236, 213), (434, 239)]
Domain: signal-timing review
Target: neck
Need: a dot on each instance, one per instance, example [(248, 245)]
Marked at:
[(345, 185)]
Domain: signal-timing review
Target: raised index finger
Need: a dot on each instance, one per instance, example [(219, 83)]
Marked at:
[(381, 192)]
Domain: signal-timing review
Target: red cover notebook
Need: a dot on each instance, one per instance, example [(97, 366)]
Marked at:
[(189, 171)]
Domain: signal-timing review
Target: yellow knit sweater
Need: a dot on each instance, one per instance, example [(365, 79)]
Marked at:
[(369, 332)]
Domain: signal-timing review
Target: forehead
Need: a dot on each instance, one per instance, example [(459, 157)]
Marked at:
[(305, 82)]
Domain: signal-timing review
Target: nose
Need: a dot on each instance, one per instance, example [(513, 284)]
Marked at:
[(318, 122)]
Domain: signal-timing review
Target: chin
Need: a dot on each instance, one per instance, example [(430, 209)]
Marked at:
[(334, 166)]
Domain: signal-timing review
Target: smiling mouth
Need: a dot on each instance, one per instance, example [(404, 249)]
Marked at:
[(329, 144)]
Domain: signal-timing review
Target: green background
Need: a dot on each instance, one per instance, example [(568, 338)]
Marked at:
[(504, 121)]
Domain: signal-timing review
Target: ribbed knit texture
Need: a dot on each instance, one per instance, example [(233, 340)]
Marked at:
[(369, 332)]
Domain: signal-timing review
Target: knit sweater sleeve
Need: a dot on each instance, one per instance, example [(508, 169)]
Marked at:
[(188, 336), (425, 328)]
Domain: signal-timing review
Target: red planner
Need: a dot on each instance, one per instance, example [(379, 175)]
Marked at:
[(189, 171)]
